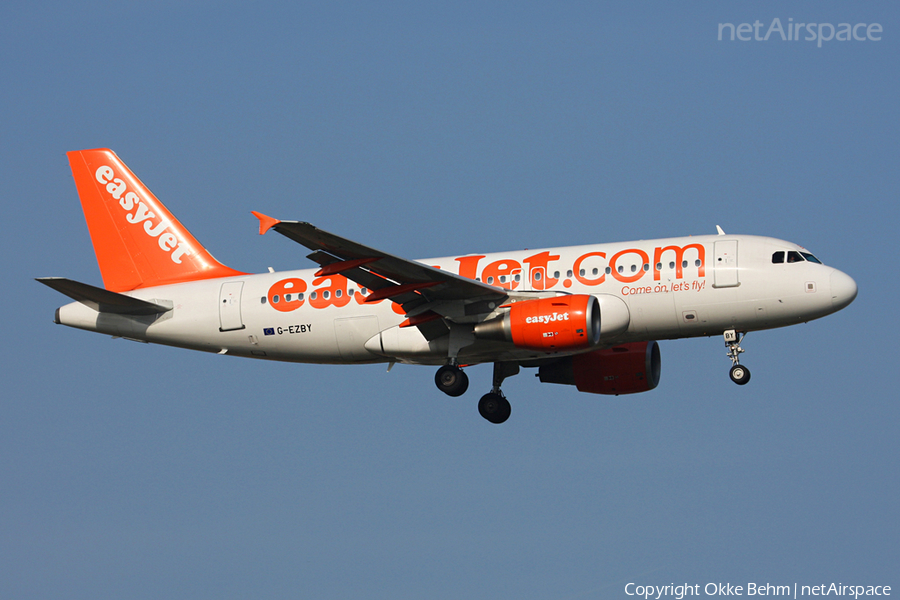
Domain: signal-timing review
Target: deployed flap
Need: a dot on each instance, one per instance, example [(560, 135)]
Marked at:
[(102, 300), (399, 279)]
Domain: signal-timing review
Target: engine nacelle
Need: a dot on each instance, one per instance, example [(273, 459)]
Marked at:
[(547, 324), (624, 369)]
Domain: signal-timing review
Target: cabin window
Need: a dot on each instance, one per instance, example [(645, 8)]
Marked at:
[(503, 279), (287, 297), (684, 264), (490, 280), (300, 297), (313, 296), (555, 274), (778, 257), (608, 270), (537, 275), (275, 299), (633, 268), (621, 269), (338, 293), (569, 273), (698, 262), (262, 300), (326, 294), (646, 267), (672, 264), (594, 271), (518, 277)]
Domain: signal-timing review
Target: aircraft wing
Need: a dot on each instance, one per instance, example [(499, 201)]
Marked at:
[(407, 282)]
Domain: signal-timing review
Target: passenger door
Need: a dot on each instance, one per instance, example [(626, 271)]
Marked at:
[(726, 264)]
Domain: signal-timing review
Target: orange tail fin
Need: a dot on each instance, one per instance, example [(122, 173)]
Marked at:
[(138, 242)]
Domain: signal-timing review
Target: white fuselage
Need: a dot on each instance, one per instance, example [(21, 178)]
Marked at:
[(670, 288)]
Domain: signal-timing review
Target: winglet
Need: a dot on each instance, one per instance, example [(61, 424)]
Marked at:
[(719, 229), (265, 222)]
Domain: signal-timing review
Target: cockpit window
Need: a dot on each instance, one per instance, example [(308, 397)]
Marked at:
[(811, 258), (793, 257)]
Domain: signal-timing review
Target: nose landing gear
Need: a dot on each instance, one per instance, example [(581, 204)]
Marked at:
[(739, 373)]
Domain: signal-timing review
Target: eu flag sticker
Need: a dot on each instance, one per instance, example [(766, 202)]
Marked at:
[(269, 331)]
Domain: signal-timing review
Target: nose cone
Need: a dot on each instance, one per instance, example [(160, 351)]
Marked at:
[(843, 290)]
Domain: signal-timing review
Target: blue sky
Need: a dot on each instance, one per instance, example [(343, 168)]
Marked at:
[(135, 471)]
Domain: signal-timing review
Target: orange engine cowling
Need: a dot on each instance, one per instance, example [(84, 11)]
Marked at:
[(548, 324), (623, 369)]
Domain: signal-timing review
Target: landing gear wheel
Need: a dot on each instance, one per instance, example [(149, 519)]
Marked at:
[(740, 374), (494, 407), (451, 380)]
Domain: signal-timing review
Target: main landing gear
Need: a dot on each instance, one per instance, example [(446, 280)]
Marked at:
[(493, 406), (451, 380), (739, 373)]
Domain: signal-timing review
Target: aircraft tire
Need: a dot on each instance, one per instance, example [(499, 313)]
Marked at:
[(494, 407), (451, 380), (740, 374)]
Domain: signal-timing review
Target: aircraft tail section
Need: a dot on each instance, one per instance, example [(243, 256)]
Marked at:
[(138, 242)]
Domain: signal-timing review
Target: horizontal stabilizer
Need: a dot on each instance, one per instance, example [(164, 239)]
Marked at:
[(102, 300)]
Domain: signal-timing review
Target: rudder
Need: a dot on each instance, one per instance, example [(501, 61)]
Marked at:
[(138, 242)]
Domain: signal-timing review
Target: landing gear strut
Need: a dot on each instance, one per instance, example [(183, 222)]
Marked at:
[(739, 373), (494, 406), (451, 380)]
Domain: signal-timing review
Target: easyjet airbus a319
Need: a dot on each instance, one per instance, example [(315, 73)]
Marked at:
[(587, 316)]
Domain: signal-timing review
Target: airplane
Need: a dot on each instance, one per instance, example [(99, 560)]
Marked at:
[(588, 316)]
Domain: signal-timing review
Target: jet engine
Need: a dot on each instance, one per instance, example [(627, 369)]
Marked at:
[(547, 324), (623, 369)]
